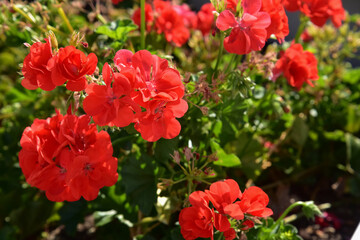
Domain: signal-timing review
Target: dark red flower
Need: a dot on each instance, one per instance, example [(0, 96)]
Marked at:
[(249, 32), (279, 22), (67, 158), (71, 64), (172, 25), (116, 1), (149, 17), (230, 234), (298, 66), (247, 224), (254, 201), (111, 104), (34, 68), (205, 18)]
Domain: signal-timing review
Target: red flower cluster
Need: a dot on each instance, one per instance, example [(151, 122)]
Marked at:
[(319, 11), (297, 65), (279, 22), (144, 91), (248, 33), (67, 158), (46, 70), (199, 220), (175, 21)]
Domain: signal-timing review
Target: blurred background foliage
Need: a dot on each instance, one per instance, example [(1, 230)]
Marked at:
[(294, 144)]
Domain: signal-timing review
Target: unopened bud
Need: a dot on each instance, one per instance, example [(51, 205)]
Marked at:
[(53, 40), (213, 157), (204, 110), (188, 154), (176, 157)]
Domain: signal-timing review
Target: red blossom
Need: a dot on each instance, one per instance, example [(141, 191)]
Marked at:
[(319, 11), (116, 1), (291, 5), (298, 66), (172, 25), (189, 17), (67, 158), (149, 17), (254, 201), (71, 64), (279, 22), (249, 32), (159, 91), (205, 18), (223, 195), (111, 104), (36, 75)]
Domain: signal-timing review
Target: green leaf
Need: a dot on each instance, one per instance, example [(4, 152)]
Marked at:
[(225, 160), (310, 210), (139, 179), (352, 76), (353, 123), (104, 217), (299, 131), (117, 30), (353, 151), (165, 147)]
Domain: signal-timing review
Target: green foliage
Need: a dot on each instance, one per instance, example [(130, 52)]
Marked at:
[(139, 179)]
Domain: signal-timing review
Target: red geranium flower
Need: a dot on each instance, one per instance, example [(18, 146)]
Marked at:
[(205, 18), (172, 25), (319, 11), (249, 32), (189, 17), (254, 201), (199, 220), (159, 120), (71, 64), (279, 22), (149, 17), (291, 5), (298, 66), (111, 104), (67, 158), (34, 68), (223, 195), (230, 234)]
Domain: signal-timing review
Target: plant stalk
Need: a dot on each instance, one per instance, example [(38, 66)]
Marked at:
[(65, 19), (142, 26)]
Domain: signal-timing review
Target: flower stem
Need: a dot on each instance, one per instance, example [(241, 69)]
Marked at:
[(31, 20), (286, 212), (221, 49), (65, 19), (303, 23), (142, 26)]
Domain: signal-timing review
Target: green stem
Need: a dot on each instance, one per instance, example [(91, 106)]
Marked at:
[(142, 27), (65, 19), (286, 212), (303, 23), (22, 13), (101, 18), (221, 49)]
